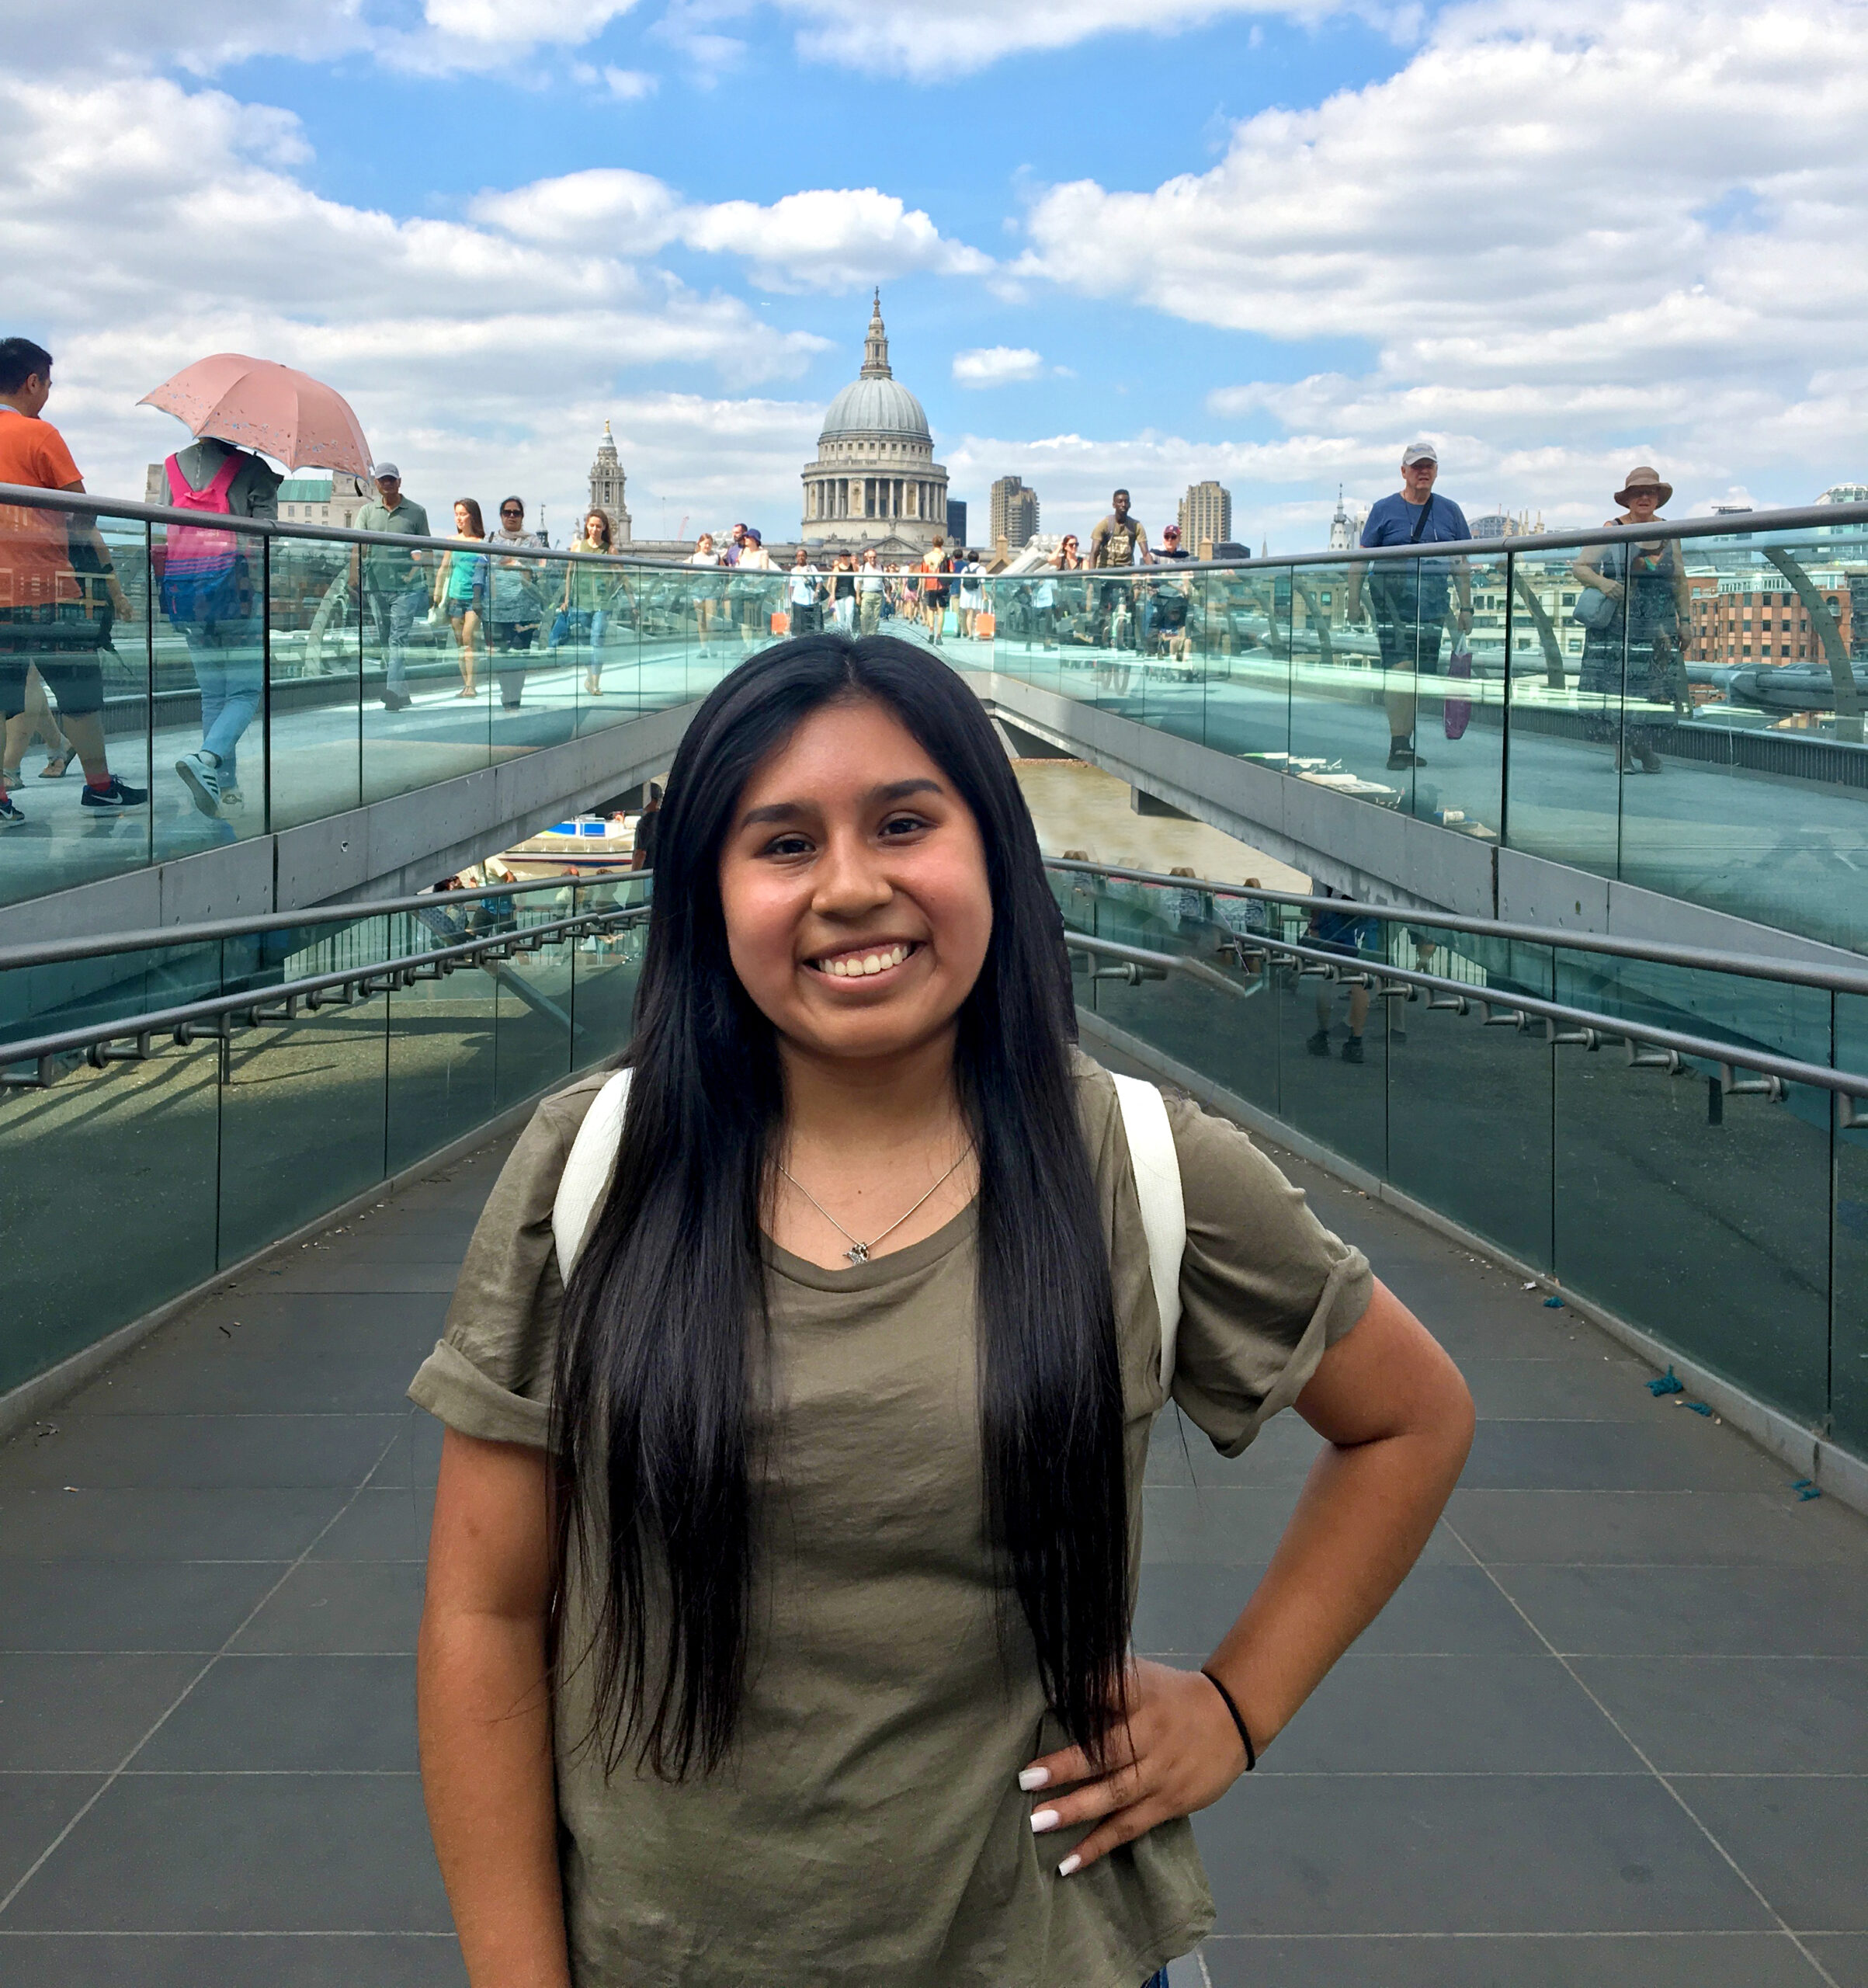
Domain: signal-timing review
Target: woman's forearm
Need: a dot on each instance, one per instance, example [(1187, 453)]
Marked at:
[(1365, 1514), (484, 1709)]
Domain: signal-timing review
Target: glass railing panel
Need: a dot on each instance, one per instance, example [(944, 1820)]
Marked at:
[(1564, 710), (1469, 1106), (1849, 1302), (606, 969), (1244, 636), (441, 1059), (1332, 1040), (106, 1202), (1025, 636), (74, 670), (602, 626), (536, 686), (538, 1042), (302, 1108), (423, 646), (69, 994), (1701, 1217), (1745, 780), (315, 660), (1169, 689)]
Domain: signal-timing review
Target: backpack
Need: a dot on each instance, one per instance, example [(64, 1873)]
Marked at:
[(1144, 1119), (205, 576)]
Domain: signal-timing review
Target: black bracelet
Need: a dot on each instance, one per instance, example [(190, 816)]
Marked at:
[(1251, 1752)]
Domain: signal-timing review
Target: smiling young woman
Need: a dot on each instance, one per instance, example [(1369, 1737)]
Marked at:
[(784, 1559)]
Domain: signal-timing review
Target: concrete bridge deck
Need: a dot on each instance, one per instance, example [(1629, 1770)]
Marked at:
[(1614, 1729)]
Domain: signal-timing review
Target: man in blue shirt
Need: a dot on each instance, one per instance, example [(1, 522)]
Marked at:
[(1411, 596)]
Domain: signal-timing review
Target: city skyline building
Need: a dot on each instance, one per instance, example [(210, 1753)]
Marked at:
[(1205, 516), (607, 482), (874, 481), (1014, 513)]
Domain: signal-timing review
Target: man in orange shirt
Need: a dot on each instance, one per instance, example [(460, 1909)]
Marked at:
[(46, 620)]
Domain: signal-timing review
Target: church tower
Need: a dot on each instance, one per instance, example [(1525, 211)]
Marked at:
[(875, 346), (606, 482)]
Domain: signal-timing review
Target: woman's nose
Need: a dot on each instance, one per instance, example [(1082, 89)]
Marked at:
[(850, 880)]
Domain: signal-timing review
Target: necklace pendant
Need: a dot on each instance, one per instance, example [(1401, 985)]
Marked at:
[(858, 1253)]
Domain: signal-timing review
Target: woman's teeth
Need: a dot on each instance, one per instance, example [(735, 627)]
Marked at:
[(853, 966)]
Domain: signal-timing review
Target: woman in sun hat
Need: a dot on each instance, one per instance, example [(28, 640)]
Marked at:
[(1632, 643)]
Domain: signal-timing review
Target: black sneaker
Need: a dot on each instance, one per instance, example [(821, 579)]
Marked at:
[(115, 798), (1400, 758), (1319, 1043), (1351, 1050), (10, 816)]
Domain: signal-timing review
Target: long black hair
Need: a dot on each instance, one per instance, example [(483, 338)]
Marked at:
[(662, 1341)]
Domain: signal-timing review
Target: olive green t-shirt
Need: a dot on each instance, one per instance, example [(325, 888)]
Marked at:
[(869, 1831)]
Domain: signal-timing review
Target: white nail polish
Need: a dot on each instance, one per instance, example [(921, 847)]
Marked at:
[(1045, 1819), (1033, 1778), (1069, 1865)]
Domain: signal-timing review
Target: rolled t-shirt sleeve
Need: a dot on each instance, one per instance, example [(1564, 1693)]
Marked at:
[(1265, 1289), (490, 1375)]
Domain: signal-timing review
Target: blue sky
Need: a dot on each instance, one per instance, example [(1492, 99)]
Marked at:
[(1270, 247)]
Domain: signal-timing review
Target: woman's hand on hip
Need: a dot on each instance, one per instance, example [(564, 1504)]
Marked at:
[(1179, 1752)]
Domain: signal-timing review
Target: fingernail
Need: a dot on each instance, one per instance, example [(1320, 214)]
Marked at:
[(1069, 1865), (1045, 1819), (1033, 1778)]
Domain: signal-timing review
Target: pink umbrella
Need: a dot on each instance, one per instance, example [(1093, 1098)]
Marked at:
[(258, 404)]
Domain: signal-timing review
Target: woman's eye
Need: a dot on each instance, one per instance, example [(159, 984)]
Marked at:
[(788, 845), (903, 824)]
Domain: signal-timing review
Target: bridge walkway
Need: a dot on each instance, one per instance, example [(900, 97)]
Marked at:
[(1612, 1729)]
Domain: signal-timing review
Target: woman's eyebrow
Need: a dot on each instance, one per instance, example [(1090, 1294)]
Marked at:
[(882, 797)]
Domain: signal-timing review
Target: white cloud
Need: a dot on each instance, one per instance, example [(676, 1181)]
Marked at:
[(997, 365), (629, 85), (1562, 236), (460, 346), (900, 37), (522, 23), (829, 239)]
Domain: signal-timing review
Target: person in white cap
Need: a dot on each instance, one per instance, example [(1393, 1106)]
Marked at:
[(1411, 596), (395, 584), (1631, 641)]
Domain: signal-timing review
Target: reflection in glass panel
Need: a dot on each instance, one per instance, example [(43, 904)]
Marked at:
[(301, 1121), (537, 683), (1746, 681), (1332, 1038), (315, 641), (74, 685), (127, 1153), (441, 1059), (1244, 634), (1469, 1106), (537, 1041)]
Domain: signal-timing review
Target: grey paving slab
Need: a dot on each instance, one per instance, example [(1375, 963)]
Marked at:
[(1439, 1609), (270, 1300), (273, 1853), (1478, 1853), (372, 1607), (33, 1808), (88, 1524), (1562, 1390), (1607, 1529), (1739, 1715), (1802, 1841), (1238, 1526), (330, 1274), (292, 1714), (249, 1367), (1584, 1960), (1687, 1612), (60, 1605), (1685, 1454), (1845, 1954), (224, 1960), (82, 1715), (187, 1452), (1377, 1714), (381, 1525)]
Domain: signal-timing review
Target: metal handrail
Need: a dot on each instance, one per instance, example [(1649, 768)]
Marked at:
[(54, 952), (1751, 966), (1563, 1026), (1800, 517), (256, 1006)]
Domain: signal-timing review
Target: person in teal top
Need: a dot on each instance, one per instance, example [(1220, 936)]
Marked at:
[(461, 591)]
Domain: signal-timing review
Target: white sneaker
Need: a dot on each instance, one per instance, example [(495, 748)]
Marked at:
[(201, 776)]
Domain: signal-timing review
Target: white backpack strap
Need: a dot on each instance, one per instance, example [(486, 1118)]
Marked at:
[(587, 1171), (1164, 1209)]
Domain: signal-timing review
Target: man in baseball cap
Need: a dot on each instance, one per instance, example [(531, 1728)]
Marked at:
[(1411, 595), (395, 584)]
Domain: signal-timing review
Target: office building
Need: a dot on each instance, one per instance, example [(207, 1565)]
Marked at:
[(1014, 513)]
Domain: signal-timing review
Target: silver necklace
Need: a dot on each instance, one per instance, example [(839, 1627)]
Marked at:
[(858, 1253)]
